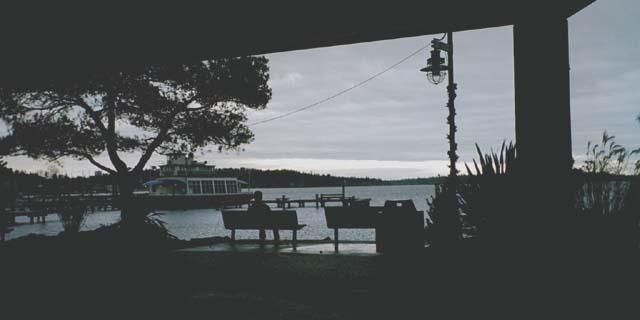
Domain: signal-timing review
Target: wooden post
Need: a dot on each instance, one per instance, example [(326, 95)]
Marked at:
[(335, 240), (317, 201), (233, 234), (295, 239), (4, 225), (544, 152), (283, 202)]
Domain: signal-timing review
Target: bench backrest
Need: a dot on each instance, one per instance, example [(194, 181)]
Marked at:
[(352, 217), (241, 219)]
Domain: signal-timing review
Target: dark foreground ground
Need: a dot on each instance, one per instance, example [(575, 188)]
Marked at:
[(461, 283)]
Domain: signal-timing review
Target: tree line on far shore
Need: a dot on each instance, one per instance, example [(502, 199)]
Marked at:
[(257, 178), (56, 182)]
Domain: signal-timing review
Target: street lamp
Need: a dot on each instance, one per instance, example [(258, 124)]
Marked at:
[(436, 71), (448, 216)]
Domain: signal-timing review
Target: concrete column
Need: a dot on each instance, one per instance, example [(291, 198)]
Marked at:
[(543, 128)]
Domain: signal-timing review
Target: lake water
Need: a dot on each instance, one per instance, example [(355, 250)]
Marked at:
[(200, 223)]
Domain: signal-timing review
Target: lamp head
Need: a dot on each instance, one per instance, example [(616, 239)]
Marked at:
[(436, 70)]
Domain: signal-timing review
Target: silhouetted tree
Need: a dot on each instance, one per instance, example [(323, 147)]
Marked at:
[(146, 110)]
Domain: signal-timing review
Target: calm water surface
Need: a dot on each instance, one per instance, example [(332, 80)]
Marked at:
[(199, 223)]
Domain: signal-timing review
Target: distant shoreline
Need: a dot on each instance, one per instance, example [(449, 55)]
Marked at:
[(347, 186)]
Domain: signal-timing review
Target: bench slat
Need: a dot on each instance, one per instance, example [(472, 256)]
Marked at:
[(352, 217), (243, 220)]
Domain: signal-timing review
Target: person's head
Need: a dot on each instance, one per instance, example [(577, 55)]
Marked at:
[(257, 195)]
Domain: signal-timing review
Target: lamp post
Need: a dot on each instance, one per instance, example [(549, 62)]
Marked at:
[(449, 224), (436, 71)]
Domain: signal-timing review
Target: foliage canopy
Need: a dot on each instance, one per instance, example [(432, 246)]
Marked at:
[(163, 108)]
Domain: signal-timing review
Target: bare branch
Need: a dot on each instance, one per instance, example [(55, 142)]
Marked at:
[(107, 132), (162, 135), (96, 163), (92, 114)]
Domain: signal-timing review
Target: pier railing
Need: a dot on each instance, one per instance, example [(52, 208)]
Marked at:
[(320, 201)]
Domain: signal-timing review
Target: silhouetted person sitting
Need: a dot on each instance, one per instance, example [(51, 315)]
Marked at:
[(259, 206)]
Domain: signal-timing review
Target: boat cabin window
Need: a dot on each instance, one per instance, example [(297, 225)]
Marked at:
[(194, 187), (232, 186), (207, 186), (219, 186)]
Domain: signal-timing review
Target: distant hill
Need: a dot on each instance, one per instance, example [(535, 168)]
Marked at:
[(33, 183), (295, 179)]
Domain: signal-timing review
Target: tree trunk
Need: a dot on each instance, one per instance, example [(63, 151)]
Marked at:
[(131, 209)]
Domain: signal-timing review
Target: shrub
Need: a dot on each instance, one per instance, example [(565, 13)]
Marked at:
[(601, 187), (606, 198), (444, 225), (488, 198), (147, 230), (72, 215), (4, 227)]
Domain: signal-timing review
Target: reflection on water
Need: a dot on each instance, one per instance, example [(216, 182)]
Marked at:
[(199, 223)]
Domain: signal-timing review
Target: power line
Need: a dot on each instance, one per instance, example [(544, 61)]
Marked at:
[(339, 93)]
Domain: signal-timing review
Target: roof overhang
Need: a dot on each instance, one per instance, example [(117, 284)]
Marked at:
[(58, 42), (163, 181)]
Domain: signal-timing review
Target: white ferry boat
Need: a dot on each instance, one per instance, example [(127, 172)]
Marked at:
[(185, 183)]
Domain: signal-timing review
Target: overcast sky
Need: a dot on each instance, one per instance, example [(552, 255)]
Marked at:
[(394, 126)]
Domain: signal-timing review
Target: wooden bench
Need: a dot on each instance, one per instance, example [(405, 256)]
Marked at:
[(396, 223), (243, 220), (351, 218)]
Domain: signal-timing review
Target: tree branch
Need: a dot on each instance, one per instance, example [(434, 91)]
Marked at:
[(162, 134), (96, 163), (92, 114), (110, 136), (107, 132)]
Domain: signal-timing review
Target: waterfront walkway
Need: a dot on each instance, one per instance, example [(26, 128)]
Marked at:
[(246, 280), (303, 247)]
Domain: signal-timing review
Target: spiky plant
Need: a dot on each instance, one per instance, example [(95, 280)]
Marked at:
[(607, 198), (493, 163), (488, 197), (603, 191)]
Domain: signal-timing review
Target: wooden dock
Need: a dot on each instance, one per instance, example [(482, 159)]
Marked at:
[(37, 210), (33, 215), (319, 201)]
